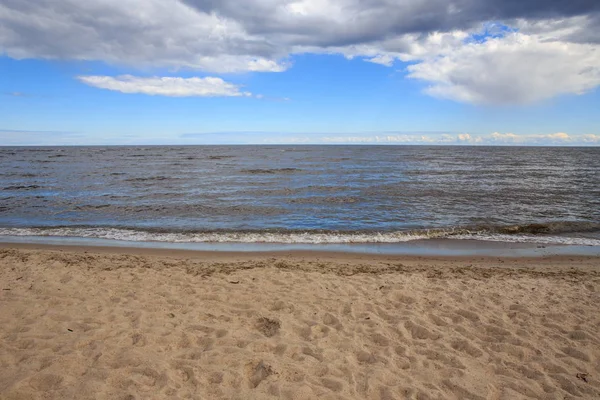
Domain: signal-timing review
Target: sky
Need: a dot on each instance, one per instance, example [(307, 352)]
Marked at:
[(452, 72)]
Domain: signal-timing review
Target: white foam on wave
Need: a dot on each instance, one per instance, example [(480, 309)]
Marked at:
[(550, 240), (219, 237), (290, 237)]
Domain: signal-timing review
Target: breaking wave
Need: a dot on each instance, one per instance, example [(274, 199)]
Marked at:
[(549, 233)]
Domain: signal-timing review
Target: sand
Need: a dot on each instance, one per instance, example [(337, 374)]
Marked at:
[(112, 324)]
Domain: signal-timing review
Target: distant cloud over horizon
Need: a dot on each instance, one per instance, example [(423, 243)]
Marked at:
[(469, 51), (44, 138), (496, 138), (398, 138)]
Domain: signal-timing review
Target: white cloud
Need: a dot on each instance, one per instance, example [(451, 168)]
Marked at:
[(464, 137), (348, 139), (560, 136), (400, 138), (591, 138), (504, 137), (383, 59), (513, 69), (166, 86)]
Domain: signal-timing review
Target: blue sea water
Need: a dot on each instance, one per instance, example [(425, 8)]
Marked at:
[(302, 194)]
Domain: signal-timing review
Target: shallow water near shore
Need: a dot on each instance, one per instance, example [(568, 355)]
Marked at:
[(437, 247)]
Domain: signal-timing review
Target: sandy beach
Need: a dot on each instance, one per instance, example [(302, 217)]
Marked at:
[(92, 323)]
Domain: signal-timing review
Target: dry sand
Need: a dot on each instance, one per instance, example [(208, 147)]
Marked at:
[(101, 325)]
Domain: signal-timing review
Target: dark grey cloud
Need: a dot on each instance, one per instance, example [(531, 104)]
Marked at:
[(351, 22)]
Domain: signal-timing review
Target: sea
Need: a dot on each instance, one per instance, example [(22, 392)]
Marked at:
[(311, 195)]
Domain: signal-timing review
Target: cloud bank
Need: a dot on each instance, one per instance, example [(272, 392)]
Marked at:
[(395, 138), (166, 86), (474, 51), (11, 137), (496, 138)]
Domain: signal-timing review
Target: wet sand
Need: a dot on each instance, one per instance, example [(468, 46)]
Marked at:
[(118, 323)]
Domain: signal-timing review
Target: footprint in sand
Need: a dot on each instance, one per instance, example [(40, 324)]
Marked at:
[(257, 372)]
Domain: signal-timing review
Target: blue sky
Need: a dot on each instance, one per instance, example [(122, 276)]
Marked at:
[(513, 82)]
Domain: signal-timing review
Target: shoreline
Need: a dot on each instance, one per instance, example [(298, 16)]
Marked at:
[(429, 248), (341, 263)]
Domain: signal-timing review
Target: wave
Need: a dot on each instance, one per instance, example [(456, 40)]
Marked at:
[(150, 178), (271, 171), (549, 227), (532, 233), (325, 200), (219, 157), (547, 240), (22, 187)]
